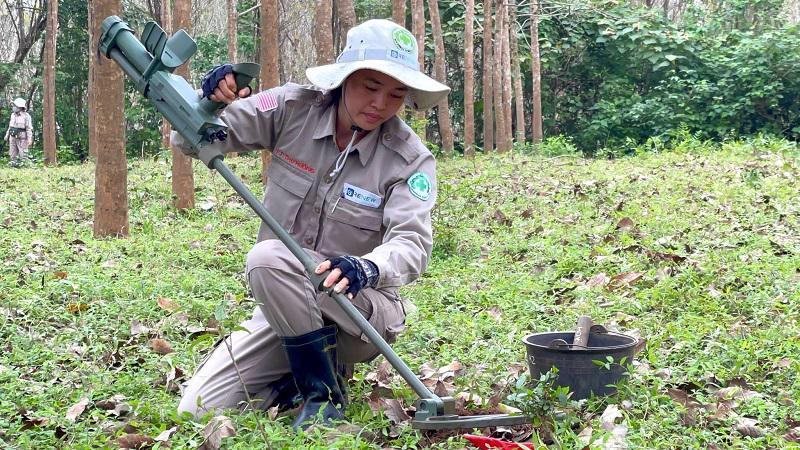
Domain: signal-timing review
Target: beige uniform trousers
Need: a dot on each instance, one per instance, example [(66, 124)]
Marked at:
[(17, 148), (288, 306)]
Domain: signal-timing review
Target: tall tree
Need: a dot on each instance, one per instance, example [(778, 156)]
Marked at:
[(499, 107), (233, 18), (519, 103), (166, 24), (49, 100), (418, 30), (488, 78), (182, 175), (469, 81), (536, 71), (399, 11), (346, 11), (269, 51), (323, 31), (506, 72), (108, 138), (443, 107)]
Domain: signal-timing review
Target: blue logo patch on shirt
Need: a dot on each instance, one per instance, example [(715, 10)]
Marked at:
[(361, 196)]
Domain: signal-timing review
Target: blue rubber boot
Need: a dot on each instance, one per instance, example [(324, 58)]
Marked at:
[(312, 359)]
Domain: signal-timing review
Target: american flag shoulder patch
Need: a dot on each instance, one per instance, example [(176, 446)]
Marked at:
[(266, 101)]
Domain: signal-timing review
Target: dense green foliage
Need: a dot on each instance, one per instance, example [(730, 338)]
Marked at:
[(613, 75), (521, 245)]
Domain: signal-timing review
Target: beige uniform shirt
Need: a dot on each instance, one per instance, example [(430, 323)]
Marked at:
[(379, 205), (21, 120)]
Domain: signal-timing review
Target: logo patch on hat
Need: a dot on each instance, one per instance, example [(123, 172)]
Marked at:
[(420, 186), (404, 40)]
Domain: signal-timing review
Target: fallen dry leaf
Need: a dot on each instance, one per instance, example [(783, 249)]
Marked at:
[(610, 416), (625, 279), (748, 427), (135, 441), (167, 304), (77, 409), (161, 346), (166, 434), (601, 279), (792, 435), (218, 428), (626, 224)]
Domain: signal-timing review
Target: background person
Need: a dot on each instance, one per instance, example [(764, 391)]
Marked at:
[(19, 133)]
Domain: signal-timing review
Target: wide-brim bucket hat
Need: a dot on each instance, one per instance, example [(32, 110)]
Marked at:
[(386, 47), (19, 102)]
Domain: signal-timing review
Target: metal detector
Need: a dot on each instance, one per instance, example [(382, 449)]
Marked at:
[(150, 66)]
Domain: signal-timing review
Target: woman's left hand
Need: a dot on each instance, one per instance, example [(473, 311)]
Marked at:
[(349, 274)]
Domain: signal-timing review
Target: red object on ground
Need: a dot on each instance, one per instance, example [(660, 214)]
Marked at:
[(489, 443)]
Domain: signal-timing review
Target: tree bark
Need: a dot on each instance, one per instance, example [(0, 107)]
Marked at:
[(469, 81), (418, 30), (233, 33), (488, 78), (499, 106), (182, 175), (536, 71), (108, 138), (399, 12), (506, 71), (346, 11), (443, 107), (166, 24), (519, 96), (323, 31), (49, 100), (233, 18), (269, 50)]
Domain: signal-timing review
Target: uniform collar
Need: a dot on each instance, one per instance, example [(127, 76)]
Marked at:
[(326, 126)]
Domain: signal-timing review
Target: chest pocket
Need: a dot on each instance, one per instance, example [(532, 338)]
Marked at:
[(352, 229), (285, 193)]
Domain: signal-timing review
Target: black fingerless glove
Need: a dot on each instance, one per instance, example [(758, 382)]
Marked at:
[(212, 78), (359, 271)]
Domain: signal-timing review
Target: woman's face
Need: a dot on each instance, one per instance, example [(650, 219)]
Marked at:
[(371, 98)]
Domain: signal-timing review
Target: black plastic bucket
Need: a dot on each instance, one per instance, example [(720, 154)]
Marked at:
[(576, 368)]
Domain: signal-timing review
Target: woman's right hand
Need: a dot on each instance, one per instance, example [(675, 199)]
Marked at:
[(219, 85)]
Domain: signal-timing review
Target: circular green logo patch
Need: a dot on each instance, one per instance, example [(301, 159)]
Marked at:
[(404, 40), (420, 186)]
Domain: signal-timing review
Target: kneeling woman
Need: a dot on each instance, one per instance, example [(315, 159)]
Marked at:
[(353, 185)]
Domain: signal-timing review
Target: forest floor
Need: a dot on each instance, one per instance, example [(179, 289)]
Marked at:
[(695, 250)]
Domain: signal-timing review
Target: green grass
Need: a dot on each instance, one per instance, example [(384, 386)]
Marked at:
[(715, 235)]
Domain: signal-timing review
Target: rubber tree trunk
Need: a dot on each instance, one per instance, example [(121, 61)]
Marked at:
[(506, 71), (346, 12), (166, 24), (269, 48), (49, 114), (108, 138), (323, 31), (399, 11), (488, 78), (439, 70), (469, 81), (182, 174), (418, 30), (536, 119), (499, 113), (519, 95), (233, 36)]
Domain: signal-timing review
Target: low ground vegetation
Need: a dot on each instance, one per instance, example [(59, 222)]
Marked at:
[(692, 246)]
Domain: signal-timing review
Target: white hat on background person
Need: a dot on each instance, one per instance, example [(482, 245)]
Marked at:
[(19, 102), (386, 47)]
